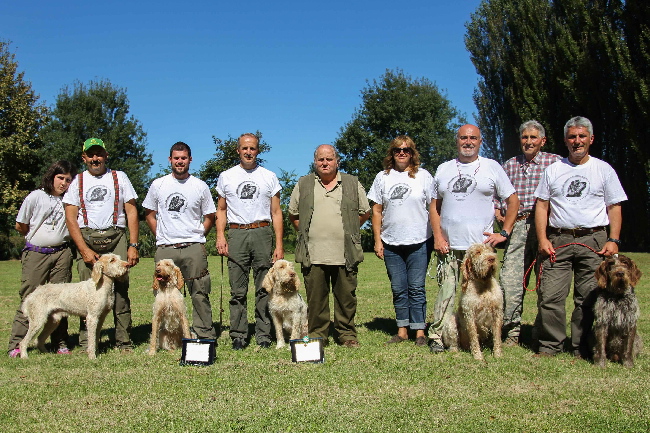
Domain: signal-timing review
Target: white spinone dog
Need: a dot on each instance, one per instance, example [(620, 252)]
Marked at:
[(169, 324), (92, 299), (287, 308)]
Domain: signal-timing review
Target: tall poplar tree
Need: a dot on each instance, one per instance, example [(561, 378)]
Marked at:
[(554, 59)]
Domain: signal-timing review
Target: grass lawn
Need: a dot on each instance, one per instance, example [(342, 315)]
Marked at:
[(376, 388)]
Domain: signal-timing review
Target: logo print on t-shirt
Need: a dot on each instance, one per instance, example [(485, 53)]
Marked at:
[(97, 193), (576, 188), (461, 186), (399, 192), (54, 218), (248, 192), (176, 205)]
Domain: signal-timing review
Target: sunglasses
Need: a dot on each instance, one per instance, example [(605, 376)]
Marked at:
[(405, 150)]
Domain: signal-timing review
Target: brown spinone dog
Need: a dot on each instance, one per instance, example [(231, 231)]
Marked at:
[(616, 312)]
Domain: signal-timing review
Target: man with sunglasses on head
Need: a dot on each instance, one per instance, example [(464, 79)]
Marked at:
[(462, 213)]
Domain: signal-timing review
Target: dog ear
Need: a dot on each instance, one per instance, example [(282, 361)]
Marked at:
[(466, 268), (601, 275), (179, 278), (98, 268), (635, 272), (269, 280)]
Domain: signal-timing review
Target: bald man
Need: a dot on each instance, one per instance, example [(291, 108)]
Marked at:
[(462, 213)]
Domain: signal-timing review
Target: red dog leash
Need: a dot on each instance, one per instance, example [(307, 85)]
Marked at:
[(552, 257)]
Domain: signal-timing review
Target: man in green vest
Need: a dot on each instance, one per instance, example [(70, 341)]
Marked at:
[(327, 208)]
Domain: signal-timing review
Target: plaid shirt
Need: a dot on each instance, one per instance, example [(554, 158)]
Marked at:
[(525, 176)]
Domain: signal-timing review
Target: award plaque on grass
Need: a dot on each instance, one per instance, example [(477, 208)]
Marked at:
[(198, 352), (307, 350)]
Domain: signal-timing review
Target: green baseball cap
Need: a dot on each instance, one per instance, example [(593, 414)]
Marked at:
[(92, 142)]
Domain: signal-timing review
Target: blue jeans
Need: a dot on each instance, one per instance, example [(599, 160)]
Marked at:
[(406, 266)]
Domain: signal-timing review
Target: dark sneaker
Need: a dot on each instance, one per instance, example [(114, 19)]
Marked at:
[(435, 346), (238, 344), (421, 341), (265, 344)]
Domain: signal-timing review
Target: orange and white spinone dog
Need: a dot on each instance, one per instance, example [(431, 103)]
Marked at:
[(169, 324)]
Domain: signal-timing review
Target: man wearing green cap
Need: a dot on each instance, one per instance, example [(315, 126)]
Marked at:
[(100, 204)]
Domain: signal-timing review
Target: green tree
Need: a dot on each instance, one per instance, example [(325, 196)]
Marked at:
[(393, 105), (287, 180), (555, 59), (21, 118), (99, 109), (507, 41)]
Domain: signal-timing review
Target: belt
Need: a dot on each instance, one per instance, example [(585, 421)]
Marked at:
[(45, 250), (179, 245), (254, 225), (523, 216), (576, 232)]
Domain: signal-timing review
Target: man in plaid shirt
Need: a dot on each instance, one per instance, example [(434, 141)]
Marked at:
[(525, 172)]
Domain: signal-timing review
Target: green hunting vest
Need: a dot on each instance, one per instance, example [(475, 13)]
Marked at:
[(353, 251)]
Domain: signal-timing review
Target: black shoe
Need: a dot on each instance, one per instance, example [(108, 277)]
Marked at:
[(435, 346), (238, 344), (265, 344)]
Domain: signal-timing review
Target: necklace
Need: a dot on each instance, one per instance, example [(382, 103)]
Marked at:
[(460, 175)]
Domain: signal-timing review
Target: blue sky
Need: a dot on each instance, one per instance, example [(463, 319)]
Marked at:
[(291, 69)]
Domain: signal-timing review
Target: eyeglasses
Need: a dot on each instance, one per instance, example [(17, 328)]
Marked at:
[(405, 150)]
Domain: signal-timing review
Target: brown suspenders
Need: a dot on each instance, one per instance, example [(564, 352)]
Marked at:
[(83, 204)]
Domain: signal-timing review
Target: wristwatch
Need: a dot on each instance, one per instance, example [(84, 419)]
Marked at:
[(505, 234), (136, 246), (616, 241)]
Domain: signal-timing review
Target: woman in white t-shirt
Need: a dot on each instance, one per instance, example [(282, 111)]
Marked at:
[(47, 256), (403, 239)]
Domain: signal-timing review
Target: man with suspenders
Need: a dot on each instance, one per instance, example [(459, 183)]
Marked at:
[(100, 204)]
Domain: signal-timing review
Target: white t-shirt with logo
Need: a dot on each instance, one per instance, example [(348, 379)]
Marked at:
[(467, 192), (181, 205), (99, 198), (405, 206), (579, 194), (248, 193), (44, 215)]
